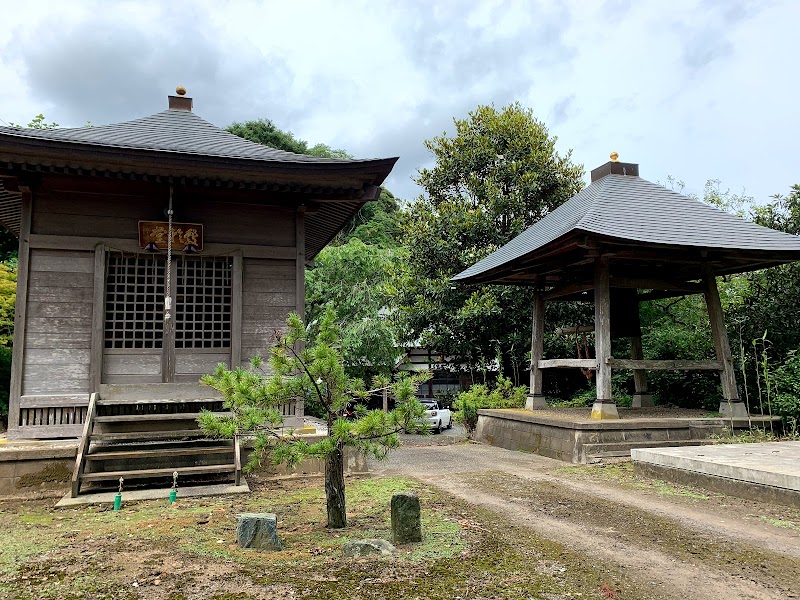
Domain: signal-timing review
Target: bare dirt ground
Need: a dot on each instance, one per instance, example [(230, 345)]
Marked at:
[(675, 541)]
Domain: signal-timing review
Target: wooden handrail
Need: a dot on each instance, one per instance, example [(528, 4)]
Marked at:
[(83, 446)]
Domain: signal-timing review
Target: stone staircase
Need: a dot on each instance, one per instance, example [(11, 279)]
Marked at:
[(148, 440), (616, 445)]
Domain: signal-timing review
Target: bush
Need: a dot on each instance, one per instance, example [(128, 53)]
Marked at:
[(503, 395), (5, 380), (786, 401)]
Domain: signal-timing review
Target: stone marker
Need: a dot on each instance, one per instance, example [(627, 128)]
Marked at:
[(406, 523), (258, 530), (366, 547)]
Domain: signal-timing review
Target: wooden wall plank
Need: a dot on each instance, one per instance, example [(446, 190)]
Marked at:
[(132, 364), (82, 310), (199, 364), (62, 261)]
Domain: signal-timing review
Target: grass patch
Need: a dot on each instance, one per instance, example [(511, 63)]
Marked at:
[(782, 523), (187, 551), (623, 474)]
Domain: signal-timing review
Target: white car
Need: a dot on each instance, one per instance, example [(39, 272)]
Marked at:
[(438, 418)]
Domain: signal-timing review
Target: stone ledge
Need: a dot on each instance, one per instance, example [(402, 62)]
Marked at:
[(722, 485)]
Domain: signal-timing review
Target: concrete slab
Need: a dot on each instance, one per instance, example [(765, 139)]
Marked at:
[(773, 464), (221, 489)]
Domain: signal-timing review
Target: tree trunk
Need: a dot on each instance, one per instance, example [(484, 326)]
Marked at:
[(334, 489)]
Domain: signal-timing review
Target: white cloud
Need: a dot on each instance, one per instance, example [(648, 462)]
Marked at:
[(693, 89)]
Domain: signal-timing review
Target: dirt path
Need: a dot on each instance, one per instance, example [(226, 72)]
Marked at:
[(678, 543)]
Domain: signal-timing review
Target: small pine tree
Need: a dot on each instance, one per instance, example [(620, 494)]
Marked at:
[(311, 371)]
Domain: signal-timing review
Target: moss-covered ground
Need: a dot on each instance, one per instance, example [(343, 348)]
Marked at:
[(188, 551)]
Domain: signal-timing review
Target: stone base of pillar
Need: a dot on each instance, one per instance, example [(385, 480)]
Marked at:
[(604, 409), (642, 400), (535, 401), (733, 409)]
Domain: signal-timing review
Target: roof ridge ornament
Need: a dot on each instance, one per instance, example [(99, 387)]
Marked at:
[(614, 156), (181, 101)]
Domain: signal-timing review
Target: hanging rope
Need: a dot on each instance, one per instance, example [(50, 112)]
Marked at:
[(168, 285)]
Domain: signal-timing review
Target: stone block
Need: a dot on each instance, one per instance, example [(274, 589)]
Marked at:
[(367, 547), (406, 518), (258, 530)]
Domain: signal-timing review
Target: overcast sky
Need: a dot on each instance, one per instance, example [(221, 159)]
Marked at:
[(696, 90)]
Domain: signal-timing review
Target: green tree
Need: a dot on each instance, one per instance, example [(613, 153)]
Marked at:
[(376, 223), (352, 280), (264, 131), (305, 369), (495, 177)]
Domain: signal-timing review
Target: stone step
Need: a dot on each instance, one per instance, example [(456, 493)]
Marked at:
[(145, 436), (132, 454), (182, 416), (164, 472), (618, 449), (141, 401)]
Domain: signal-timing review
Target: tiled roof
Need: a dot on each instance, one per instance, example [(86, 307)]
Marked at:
[(177, 131), (634, 209)]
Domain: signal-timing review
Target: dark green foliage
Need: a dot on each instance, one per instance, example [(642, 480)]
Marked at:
[(352, 281), (264, 131), (499, 174), (5, 380), (376, 223), (787, 384)]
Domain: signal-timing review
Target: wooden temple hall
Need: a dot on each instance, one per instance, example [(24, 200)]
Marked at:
[(149, 252), (621, 241)]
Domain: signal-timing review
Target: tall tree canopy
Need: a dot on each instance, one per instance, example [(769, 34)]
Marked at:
[(495, 177), (264, 131), (351, 274)]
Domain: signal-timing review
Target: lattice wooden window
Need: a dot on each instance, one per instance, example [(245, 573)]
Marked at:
[(203, 302), (134, 301)]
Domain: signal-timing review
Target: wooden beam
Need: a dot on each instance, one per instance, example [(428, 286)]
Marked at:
[(566, 363), (602, 324), (537, 351), (721, 345), (300, 258), (83, 446), (663, 294), (48, 401), (656, 284), (574, 330), (664, 365), (98, 319), (68, 242), (21, 310), (236, 310), (567, 290)]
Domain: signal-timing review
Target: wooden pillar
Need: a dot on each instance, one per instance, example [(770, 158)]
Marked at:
[(604, 407), (641, 397), (536, 398), (731, 405), (98, 320), (21, 310), (300, 280)]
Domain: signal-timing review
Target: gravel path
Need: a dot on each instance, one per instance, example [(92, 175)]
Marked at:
[(683, 545)]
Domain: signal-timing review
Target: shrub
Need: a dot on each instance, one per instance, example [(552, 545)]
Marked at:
[(786, 401), (503, 395)]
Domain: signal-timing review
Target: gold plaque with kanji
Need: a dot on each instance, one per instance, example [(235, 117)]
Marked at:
[(184, 235)]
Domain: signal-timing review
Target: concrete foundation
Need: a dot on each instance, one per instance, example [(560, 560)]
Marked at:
[(582, 440), (765, 472), (30, 468)]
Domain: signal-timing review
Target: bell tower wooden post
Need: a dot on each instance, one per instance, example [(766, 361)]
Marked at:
[(604, 407), (641, 397), (731, 405), (536, 398)]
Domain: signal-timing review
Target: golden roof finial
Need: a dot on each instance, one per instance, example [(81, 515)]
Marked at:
[(180, 90), (614, 157)]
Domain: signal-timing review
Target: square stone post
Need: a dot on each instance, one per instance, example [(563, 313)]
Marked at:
[(641, 397), (731, 405), (604, 407), (536, 398)]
